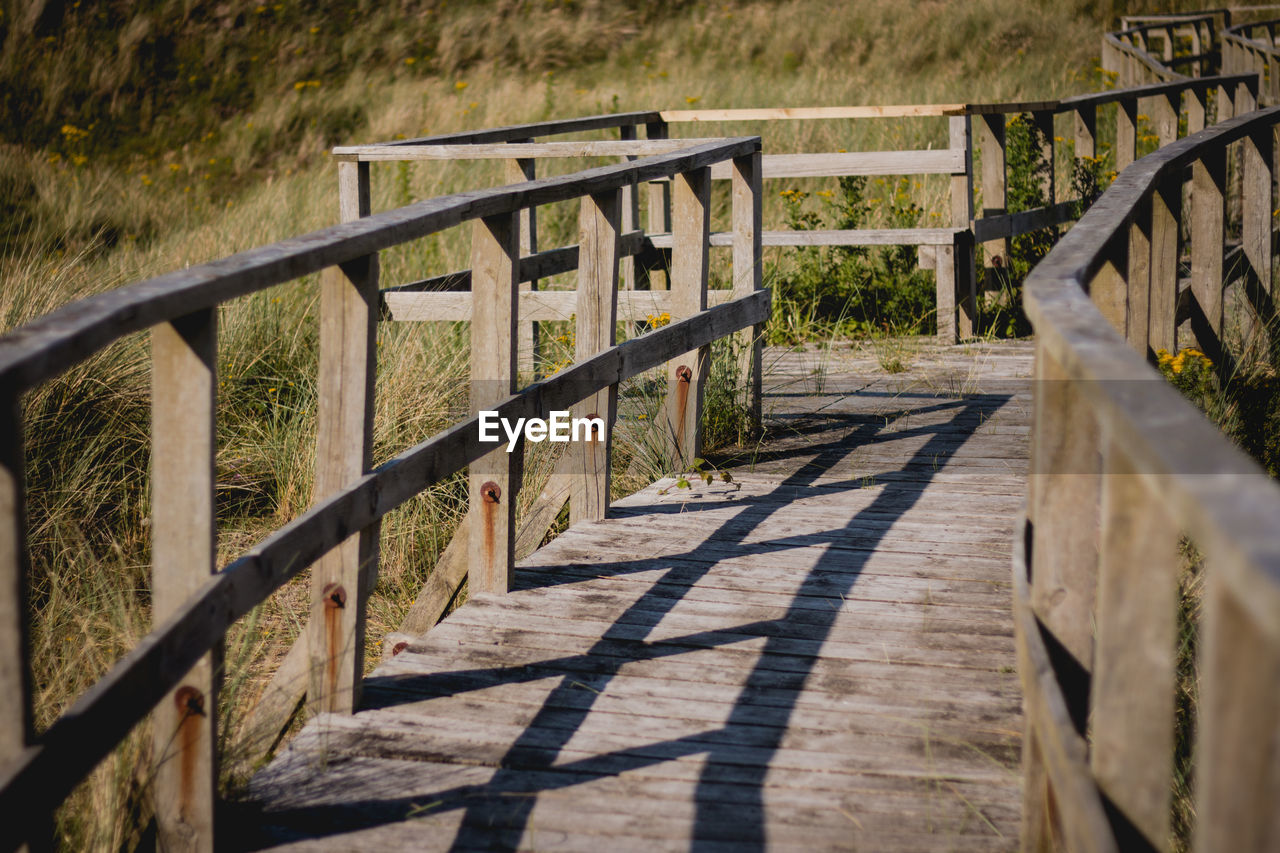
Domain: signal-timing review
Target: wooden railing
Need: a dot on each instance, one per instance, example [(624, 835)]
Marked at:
[(1252, 47), (172, 669), (1122, 468), (947, 250), (1130, 51)]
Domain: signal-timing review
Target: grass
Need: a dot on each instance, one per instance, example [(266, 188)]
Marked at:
[(204, 132)]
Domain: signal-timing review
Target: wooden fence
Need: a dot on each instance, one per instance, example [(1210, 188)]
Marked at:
[(1122, 467), (947, 250), (194, 603)]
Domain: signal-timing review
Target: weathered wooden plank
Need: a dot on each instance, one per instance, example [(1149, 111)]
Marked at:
[(1237, 778), (184, 725), (781, 113), (539, 306), (855, 237), (1064, 495), (495, 477), (344, 576), (521, 150), (526, 333), (687, 373), (1162, 294), (597, 330), (1060, 797), (1126, 132), (1256, 213), (838, 164), (1132, 691), (1024, 222), (748, 274), (991, 143), (17, 724), (1208, 223), (529, 131)]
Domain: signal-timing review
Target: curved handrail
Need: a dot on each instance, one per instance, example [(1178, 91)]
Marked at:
[(1104, 627)]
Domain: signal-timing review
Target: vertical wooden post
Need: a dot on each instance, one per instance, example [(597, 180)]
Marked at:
[(630, 216), (991, 141), (1164, 115), (341, 580), (519, 170), (1136, 326), (1043, 120), (1064, 473), (17, 726), (945, 277), (1109, 288), (1255, 213), (495, 477), (659, 212), (1126, 132), (748, 272), (1208, 209), (597, 330), (184, 725), (1086, 132), (687, 374), (1197, 106), (961, 138), (1132, 692), (1237, 784), (1166, 209)]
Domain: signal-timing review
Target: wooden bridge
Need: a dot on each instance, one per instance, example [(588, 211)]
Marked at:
[(820, 646)]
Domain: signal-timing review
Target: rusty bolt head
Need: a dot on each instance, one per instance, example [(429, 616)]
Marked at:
[(189, 700), (399, 647), (334, 596), (684, 374), (491, 491)]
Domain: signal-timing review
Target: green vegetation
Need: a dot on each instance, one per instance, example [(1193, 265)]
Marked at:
[(139, 138)]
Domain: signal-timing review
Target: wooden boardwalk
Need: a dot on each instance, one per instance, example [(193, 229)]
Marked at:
[(816, 655)]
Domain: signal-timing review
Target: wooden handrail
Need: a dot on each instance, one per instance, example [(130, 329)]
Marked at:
[(1104, 609), (195, 608)]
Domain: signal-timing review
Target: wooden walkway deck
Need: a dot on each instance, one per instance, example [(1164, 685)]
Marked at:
[(817, 655)]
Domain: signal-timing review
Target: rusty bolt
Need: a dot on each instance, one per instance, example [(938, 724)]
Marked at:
[(399, 647), (491, 491), (189, 700), (684, 374), (334, 596)]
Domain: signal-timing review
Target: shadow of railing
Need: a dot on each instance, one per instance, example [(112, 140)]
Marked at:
[(737, 755)]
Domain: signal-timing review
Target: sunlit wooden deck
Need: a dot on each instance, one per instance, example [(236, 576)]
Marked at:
[(816, 655)]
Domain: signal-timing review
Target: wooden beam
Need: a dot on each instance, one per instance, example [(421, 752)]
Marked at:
[(599, 224), (541, 305), (778, 114), (521, 150), (342, 578), (991, 143), (495, 478), (1132, 691), (1162, 296), (687, 374), (518, 170), (184, 358), (1208, 211), (838, 164), (748, 272)]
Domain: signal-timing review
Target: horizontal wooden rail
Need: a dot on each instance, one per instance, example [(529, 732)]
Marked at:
[(536, 305), (521, 132), (812, 113), (1122, 465)]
